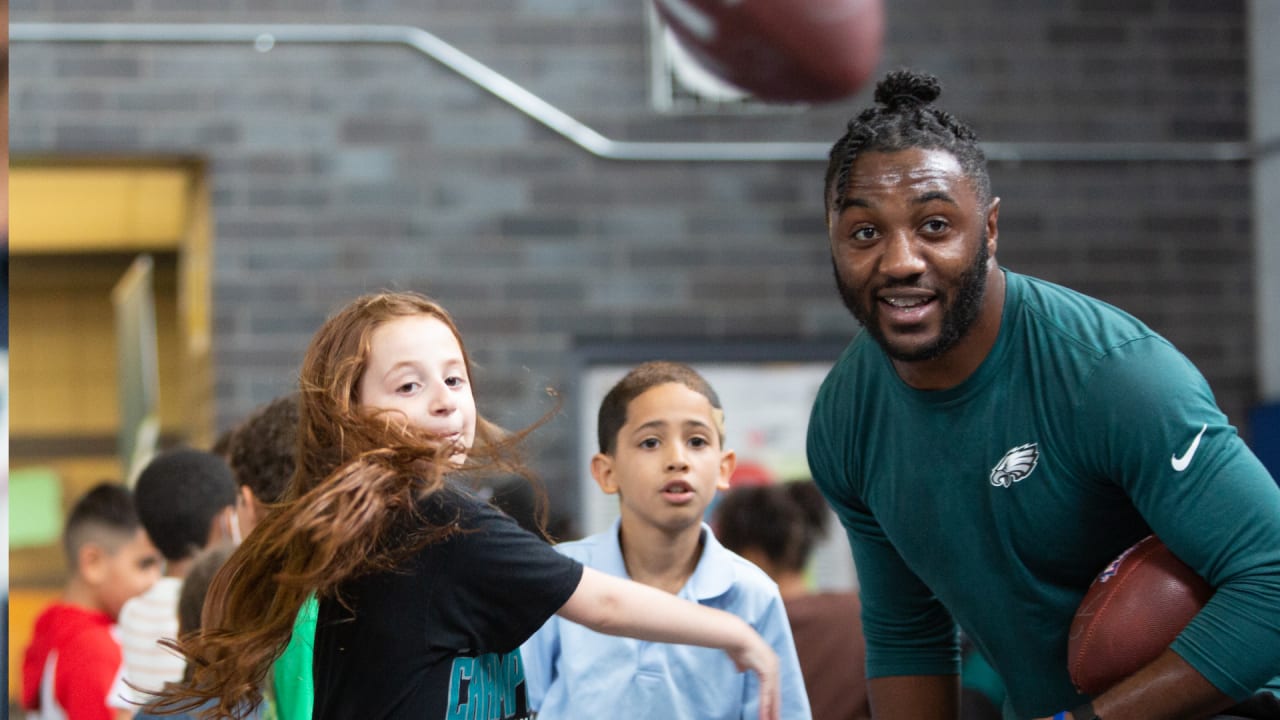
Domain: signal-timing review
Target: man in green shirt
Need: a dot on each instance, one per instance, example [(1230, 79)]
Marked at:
[(991, 441)]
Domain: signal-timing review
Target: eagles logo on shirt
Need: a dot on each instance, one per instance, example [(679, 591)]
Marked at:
[(1016, 465)]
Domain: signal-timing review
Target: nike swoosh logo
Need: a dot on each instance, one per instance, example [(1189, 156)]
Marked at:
[(1181, 463)]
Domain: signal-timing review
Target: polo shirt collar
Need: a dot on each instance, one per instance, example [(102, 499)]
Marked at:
[(712, 577)]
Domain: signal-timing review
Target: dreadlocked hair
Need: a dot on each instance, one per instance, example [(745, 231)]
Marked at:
[(351, 509), (905, 118)]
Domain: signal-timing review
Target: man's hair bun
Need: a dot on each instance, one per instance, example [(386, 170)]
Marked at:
[(907, 87)]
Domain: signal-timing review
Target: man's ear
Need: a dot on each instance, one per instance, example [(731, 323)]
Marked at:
[(993, 229), (602, 471), (728, 462)]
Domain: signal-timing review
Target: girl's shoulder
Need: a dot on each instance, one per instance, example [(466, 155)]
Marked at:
[(457, 504)]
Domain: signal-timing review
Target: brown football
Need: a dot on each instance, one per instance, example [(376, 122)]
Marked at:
[(1135, 607), (782, 50)]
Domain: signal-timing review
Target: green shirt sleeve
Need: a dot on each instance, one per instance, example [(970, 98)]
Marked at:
[(1204, 494), (292, 683), (906, 628)]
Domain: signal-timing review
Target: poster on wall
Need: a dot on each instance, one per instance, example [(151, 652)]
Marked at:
[(137, 366), (767, 393)]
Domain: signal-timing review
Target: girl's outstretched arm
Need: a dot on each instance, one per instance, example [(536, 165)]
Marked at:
[(615, 606)]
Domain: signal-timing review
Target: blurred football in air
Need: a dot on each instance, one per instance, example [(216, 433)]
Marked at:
[(781, 50)]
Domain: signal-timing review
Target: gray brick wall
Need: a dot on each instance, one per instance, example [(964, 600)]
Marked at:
[(340, 169)]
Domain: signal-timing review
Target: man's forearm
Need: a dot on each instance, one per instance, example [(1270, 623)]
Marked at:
[(915, 697), (1168, 688)]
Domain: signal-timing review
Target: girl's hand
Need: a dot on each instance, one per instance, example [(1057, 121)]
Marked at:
[(757, 656), (615, 606)]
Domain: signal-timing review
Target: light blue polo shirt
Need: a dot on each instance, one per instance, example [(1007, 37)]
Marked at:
[(574, 672)]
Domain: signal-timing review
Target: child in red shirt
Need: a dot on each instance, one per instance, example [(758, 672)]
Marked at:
[(74, 657)]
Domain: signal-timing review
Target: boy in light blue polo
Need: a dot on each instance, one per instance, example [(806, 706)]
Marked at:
[(661, 431)]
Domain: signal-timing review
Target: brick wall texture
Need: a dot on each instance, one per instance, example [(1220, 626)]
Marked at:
[(338, 169)]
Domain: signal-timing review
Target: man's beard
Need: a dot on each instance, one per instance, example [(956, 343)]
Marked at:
[(959, 314)]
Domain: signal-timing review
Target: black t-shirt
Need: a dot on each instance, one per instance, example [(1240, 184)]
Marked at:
[(441, 639)]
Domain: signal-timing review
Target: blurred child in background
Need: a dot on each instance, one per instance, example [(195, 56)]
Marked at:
[(777, 527), (73, 657), (186, 501), (190, 605), (262, 452)]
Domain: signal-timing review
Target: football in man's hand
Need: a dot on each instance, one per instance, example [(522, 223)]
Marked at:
[(1135, 607), (781, 50)]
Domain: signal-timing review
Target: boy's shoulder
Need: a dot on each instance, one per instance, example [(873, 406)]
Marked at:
[(77, 634), (159, 600), (719, 570), (63, 622), (738, 571), (81, 638), (600, 551)]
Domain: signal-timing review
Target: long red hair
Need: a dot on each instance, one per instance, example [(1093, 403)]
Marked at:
[(359, 476)]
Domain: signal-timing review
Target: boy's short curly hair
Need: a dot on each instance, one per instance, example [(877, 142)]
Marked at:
[(178, 495), (263, 449)]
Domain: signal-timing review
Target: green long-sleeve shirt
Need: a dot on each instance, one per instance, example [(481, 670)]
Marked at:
[(995, 503)]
